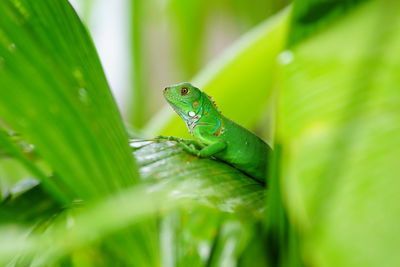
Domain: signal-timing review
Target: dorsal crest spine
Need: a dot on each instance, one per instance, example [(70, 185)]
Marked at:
[(213, 102)]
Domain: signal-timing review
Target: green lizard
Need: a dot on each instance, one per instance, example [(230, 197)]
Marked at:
[(214, 134)]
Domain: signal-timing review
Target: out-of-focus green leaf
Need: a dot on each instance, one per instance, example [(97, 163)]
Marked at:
[(21, 166), (229, 244), (54, 93), (188, 41), (191, 236), (280, 237), (88, 225), (254, 12), (241, 81), (339, 126), (138, 103), (11, 172), (19, 210), (312, 15)]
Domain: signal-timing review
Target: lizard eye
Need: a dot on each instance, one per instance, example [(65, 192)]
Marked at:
[(184, 91)]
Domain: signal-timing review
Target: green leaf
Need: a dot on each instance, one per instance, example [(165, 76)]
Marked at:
[(189, 236), (87, 226), (173, 178), (21, 165), (19, 210), (189, 19), (339, 126), (311, 16), (12, 172), (218, 182), (138, 103), (55, 94)]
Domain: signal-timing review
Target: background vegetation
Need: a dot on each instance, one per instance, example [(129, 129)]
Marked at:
[(317, 79)]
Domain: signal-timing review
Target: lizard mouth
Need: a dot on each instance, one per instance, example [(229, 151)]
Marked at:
[(175, 107)]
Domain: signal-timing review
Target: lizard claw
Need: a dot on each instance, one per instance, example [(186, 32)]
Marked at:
[(161, 137)]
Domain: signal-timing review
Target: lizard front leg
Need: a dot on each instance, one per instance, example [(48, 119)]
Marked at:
[(178, 140), (170, 138), (190, 146), (212, 149), (204, 152)]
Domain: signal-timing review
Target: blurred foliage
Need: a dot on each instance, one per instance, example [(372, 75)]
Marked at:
[(138, 107), (312, 15), (342, 104), (318, 80)]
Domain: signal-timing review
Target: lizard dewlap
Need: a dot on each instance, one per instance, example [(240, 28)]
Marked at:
[(214, 134)]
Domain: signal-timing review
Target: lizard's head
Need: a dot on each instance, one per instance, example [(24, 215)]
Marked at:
[(184, 98)]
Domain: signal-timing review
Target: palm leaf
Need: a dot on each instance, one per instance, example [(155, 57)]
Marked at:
[(187, 184), (65, 92), (54, 93)]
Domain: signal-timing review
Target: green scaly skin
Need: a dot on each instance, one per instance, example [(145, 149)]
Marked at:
[(214, 134)]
